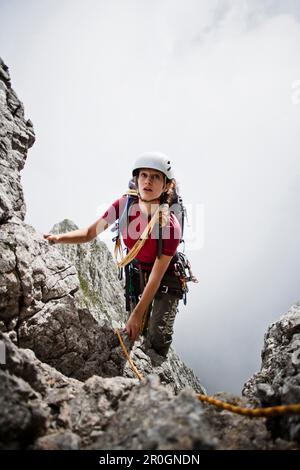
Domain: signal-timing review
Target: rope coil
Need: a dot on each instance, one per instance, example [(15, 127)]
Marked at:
[(161, 216)]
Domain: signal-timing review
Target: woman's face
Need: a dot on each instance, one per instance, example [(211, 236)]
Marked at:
[(151, 183)]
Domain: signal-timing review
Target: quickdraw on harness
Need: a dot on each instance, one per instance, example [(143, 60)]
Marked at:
[(183, 270)]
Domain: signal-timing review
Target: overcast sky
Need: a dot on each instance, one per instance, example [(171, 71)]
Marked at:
[(215, 84)]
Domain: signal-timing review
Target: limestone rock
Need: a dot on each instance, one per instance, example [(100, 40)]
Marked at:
[(16, 137), (103, 293), (43, 409), (43, 305), (278, 382)]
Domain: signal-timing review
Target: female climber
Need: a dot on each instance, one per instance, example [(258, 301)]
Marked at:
[(151, 233)]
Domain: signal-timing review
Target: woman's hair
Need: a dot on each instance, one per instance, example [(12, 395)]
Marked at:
[(168, 196)]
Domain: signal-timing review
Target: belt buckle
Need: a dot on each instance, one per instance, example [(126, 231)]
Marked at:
[(164, 289)]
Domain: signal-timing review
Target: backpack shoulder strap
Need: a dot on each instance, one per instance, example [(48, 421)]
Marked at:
[(131, 192), (123, 218), (159, 242)]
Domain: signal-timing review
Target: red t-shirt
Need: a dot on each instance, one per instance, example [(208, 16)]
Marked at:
[(138, 221)]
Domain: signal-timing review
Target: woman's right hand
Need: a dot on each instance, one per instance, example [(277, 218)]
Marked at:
[(133, 325), (51, 238)]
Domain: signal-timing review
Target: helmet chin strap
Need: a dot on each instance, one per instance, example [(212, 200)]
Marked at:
[(149, 200)]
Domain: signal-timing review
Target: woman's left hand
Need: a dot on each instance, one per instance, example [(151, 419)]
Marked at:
[(133, 326)]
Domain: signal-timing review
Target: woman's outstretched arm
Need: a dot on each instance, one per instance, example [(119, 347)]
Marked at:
[(82, 235), (88, 234)]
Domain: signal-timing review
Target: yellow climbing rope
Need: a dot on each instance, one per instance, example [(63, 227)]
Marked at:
[(134, 369), (250, 412), (161, 216), (138, 244)]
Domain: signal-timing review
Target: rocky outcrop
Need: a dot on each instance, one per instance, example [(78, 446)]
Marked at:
[(278, 382), (16, 137), (152, 418), (39, 305), (43, 308), (103, 294), (43, 409)]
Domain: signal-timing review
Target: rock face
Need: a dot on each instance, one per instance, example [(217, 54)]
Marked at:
[(43, 409), (43, 308), (72, 388), (102, 292), (16, 137), (278, 382)]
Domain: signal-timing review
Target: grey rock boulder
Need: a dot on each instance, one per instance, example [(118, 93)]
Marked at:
[(16, 137), (278, 382), (43, 409)]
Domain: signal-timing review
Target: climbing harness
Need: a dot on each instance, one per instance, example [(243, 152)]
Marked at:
[(184, 272), (281, 410)]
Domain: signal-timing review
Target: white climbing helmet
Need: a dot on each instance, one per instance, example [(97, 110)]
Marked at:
[(155, 161)]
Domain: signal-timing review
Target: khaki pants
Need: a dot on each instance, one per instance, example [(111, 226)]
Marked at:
[(158, 330)]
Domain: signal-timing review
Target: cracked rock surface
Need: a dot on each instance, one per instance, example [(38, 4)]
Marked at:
[(278, 382), (16, 137)]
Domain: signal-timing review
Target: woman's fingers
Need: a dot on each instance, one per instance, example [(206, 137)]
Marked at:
[(127, 330), (132, 327), (50, 237), (131, 331), (134, 333)]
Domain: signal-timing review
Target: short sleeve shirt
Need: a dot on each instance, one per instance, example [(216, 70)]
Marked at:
[(137, 222)]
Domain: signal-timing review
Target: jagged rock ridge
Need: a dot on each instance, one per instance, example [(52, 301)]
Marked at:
[(16, 137), (52, 411), (278, 382)]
